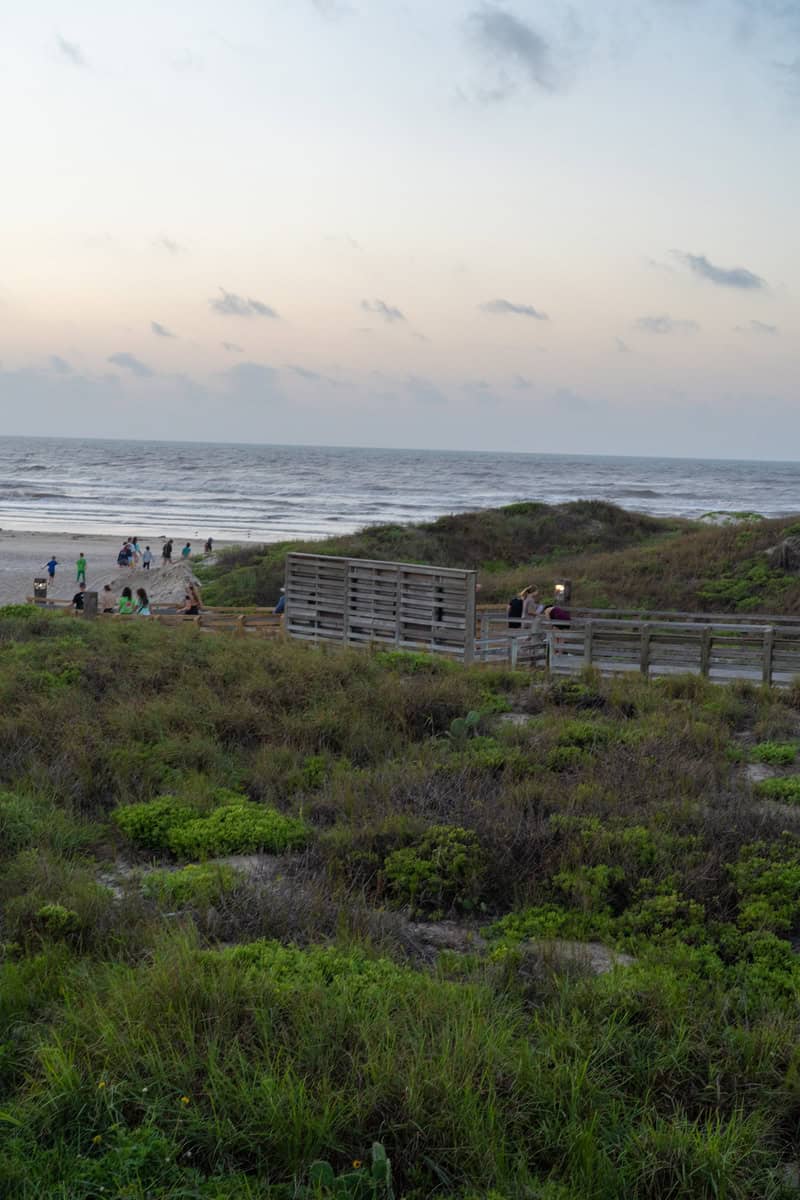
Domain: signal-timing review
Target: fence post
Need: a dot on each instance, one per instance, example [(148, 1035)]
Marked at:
[(588, 643), (769, 643), (644, 653), (240, 624), (514, 652), (705, 651)]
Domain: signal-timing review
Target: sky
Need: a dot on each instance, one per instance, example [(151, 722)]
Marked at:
[(466, 224)]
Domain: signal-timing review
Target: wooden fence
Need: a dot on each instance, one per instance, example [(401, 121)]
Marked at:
[(259, 622), (718, 648), (358, 602)]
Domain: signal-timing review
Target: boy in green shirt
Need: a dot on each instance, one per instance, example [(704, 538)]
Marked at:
[(80, 567)]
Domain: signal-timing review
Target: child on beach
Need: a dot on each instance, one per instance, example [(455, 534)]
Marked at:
[(80, 568), (142, 603), (78, 598), (107, 602), (147, 558), (187, 550), (124, 556), (126, 602), (166, 553), (51, 567)]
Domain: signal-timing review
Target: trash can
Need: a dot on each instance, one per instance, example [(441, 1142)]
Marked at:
[(40, 590)]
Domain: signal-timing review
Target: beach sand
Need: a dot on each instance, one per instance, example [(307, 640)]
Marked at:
[(23, 555)]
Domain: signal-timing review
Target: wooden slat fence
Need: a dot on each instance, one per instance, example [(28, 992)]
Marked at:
[(359, 602)]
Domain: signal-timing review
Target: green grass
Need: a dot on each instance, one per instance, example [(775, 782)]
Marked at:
[(172, 1031)]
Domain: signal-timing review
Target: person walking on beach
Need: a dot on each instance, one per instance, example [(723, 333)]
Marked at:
[(124, 556), (125, 605), (80, 568), (78, 598), (147, 558), (186, 551), (166, 553), (209, 546), (51, 567), (136, 551), (142, 606)]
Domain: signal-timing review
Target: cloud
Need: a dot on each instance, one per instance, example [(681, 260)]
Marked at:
[(513, 44), (665, 324), (168, 244), (131, 363), (506, 307), (160, 330), (231, 305), (622, 347), (59, 365), (389, 313), (758, 327), (253, 382), (232, 347), (71, 52), (733, 277), (424, 390), (312, 376)]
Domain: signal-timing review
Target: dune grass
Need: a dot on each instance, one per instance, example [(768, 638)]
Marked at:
[(173, 1030)]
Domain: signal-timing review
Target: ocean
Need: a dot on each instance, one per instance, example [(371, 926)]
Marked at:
[(191, 489)]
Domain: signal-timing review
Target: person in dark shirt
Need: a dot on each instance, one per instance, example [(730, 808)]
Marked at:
[(515, 606), (78, 598), (281, 605)]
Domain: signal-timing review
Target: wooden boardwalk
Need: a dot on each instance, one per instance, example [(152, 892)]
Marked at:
[(722, 647)]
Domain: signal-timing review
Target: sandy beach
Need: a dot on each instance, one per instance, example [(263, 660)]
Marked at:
[(23, 555)]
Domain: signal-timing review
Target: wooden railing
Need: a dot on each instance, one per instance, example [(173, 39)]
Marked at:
[(718, 648), (261, 622)]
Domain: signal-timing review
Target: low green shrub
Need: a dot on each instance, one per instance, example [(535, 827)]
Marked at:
[(443, 870), (54, 920), (197, 885), (767, 879), (566, 758), (150, 825), (238, 829), (778, 754), (786, 790)]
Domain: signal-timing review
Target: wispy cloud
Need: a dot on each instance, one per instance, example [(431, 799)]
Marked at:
[(231, 305), (232, 347), (506, 308), (59, 365), (311, 376), (424, 390), (759, 327), (161, 330), (665, 324), (168, 244), (513, 45), (731, 277), (253, 381), (381, 309), (131, 363), (71, 52)]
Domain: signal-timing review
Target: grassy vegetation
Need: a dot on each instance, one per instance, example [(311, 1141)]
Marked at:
[(615, 558), (173, 1028)]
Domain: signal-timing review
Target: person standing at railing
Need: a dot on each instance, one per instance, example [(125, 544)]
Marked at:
[(515, 608), (531, 604)]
